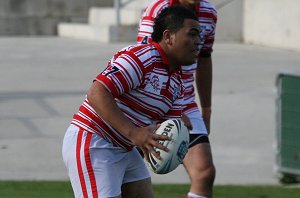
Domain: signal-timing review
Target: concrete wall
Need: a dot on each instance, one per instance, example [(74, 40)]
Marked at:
[(40, 17), (137, 4), (230, 20), (274, 23)]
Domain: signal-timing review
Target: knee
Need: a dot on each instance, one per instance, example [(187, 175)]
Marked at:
[(209, 174), (204, 174), (199, 165)]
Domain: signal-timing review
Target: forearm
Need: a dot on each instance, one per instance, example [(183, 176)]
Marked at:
[(104, 104), (204, 88), (204, 81)]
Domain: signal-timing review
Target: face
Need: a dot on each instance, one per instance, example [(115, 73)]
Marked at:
[(185, 43)]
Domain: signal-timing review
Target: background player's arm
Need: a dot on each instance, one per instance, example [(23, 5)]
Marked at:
[(104, 104), (145, 30), (204, 87), (204, 73)]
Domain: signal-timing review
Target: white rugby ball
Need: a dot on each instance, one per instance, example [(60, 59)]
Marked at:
[(178, 147)]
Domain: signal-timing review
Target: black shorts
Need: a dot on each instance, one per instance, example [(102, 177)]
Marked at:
[(198, 139)]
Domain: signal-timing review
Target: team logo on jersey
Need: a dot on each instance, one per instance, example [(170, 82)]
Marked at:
[(155, 83), (176, 93)]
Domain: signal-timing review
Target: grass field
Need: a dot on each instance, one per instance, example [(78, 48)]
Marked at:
[(38, 189)]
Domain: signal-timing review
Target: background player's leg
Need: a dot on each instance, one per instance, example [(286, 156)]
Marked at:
[(138, 189), (199, 165)]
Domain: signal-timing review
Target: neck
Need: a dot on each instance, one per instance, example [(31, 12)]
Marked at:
[(172, 67), (173, 64)]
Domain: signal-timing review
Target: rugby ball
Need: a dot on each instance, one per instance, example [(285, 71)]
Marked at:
[(178, 147)]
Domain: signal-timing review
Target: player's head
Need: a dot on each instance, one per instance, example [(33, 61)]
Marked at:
[(177, 31), (171, 18)]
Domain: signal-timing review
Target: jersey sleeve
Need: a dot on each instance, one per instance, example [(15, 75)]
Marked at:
[(145, 30), (209, 39), (147, 21), (122, 74)]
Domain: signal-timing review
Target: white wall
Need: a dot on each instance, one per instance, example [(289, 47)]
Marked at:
[(230, 20), (274, 23), (137, 5), (40, 17)]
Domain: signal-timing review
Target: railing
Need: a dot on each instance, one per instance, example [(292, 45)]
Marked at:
[(118, 4)]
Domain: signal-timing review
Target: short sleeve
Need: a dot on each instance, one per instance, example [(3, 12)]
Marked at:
[(122, 74)]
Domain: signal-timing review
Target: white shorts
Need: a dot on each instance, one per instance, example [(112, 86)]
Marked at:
[(97, 168), (197, 122)]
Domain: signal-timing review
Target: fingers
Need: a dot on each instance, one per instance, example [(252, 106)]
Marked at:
[(189, 126), (146, 156), (187, 122), (154, 142), (158, 141), (161, 137), (153, 127), (153, 151), (159, 145), (155, 145)]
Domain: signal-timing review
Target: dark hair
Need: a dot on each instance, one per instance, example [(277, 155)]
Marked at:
[(171, 18)]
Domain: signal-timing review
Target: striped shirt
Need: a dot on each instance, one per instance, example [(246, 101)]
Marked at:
[(207, 17), (144, 90)]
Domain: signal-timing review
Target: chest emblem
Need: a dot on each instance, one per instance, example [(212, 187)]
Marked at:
[(176, 93), (154, 81)]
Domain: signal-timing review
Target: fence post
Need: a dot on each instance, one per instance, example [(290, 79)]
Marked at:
[(117, 5)]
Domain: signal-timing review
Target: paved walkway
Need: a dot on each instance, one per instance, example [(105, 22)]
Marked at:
[(44, 80)]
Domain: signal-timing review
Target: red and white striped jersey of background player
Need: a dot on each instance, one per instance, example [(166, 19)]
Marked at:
[(207, 20), (138, 79)]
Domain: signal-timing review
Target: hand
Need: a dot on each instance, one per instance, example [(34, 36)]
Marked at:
[(206, 114), (185, 119), (144, 138)]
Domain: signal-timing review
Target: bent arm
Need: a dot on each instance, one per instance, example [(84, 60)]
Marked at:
[(104, 104)]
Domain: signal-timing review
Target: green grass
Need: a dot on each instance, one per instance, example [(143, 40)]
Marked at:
[(38, 189)]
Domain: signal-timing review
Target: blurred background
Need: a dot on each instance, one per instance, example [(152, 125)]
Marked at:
[(50, 50), (266, 22)]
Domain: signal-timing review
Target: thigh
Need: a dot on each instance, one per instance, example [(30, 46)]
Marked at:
[(109, 165), (138, 189), (95, 167), (198, 157), (115, 168), (136, 182), (72, 155), (136, 168)]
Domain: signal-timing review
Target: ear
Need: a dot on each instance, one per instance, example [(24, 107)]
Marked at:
[(168, 37)]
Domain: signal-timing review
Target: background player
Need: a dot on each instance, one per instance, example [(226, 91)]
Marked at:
[(140, 87), (198, 162)]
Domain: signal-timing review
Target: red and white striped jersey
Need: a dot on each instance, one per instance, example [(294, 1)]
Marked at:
[(144, 90), (207, 16)]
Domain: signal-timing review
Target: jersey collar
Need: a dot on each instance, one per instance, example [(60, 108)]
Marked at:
[(165, 58), (162, 53)]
